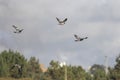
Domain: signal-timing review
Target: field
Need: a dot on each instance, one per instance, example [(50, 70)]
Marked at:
[(15, 79)]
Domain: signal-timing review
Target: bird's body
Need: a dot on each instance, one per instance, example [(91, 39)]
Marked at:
[(18, 67), (61, 22), (78, 38), (17, 30)]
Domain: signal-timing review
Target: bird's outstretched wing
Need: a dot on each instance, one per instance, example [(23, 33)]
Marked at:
[(58, 20), (21, 30), (14, 27), (65, 20), (86, 37), (76, 36), (61, 22)]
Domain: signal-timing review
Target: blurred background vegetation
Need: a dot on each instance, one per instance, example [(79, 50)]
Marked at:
[(31, 69)]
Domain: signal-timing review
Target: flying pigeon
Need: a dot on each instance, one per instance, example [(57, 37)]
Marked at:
[(61, 22), (78, 38), (17, 30), (18, 67)]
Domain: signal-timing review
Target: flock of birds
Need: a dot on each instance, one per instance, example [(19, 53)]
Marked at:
[(61, 22), (18, 30)]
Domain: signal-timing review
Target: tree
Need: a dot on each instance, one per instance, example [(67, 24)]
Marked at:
[(3, 68), (116, 70), (98, 72), (34, 70), (75, 73), (117, 66), (57, 72), (7, 60)]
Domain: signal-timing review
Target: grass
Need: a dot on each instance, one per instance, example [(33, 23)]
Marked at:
[(15, 79)]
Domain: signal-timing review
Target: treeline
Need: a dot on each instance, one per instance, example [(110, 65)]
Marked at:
[(96, 72), (15, 65), (9, 60)]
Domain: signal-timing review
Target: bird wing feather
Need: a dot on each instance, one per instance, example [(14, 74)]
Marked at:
[(76, 36), (65, 20), (57, 19), (14, 26)]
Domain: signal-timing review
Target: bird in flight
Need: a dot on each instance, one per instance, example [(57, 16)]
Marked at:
[(19, 67), (78, 38), (16, 29), (61, 22), (16, 65)]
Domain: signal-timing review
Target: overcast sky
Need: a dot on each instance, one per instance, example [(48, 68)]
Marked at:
[(43, 38)]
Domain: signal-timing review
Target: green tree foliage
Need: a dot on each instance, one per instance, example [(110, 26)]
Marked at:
[(31, 69), (3, 68), (34, 70), (75, 73), (28, 68), (98, 72), (117, 66), (56, 72), (7, 60), (115, 72)]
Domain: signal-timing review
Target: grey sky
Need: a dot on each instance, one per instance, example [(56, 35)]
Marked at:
[(45, 39)]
